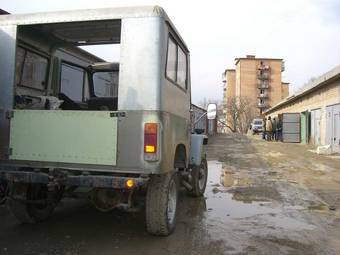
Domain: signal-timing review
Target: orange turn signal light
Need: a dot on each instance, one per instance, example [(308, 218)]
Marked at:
[(150, 148), (130, 183)]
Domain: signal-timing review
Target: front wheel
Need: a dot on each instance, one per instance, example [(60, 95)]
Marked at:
[(161, 204), (199, 177)]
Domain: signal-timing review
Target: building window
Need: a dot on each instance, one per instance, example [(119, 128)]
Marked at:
[(31, 69), (72, 82), (177, 64)]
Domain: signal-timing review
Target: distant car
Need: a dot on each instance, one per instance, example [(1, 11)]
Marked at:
[(256, 126)]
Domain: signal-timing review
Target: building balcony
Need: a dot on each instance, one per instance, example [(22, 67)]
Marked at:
[(262, 95), (263, 76), (264, 68), (262, 105), (262, 85), (283, 66)]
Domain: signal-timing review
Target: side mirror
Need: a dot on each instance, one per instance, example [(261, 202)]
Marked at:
[(211, 111)]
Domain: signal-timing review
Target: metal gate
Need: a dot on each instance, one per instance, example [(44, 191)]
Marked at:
[(315, 126), (291, 127), (333, 127)]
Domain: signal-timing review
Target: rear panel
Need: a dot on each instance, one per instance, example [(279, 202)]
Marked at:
[(82, 137)]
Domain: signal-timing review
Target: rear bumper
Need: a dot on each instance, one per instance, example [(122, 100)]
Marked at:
[(94, 181)]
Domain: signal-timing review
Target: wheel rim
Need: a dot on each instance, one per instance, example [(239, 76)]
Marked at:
[(202, 177), (172, 201)]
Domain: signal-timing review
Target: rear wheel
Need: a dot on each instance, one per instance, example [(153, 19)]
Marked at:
[(3, 191), (199, 179), (161, 204), (30, 203)]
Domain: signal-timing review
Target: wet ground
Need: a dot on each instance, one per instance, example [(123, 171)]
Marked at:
[(261, 198)]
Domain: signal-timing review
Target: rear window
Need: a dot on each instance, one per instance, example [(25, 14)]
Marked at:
[(177, 64), (31, 69), (258, 122)]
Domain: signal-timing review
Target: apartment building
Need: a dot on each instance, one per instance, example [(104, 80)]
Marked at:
[(257, 79)]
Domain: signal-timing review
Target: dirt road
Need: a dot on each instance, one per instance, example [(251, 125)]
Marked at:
[(262, 198)]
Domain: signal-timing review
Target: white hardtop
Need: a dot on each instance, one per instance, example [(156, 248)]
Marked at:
[(82, 15), (88, 15)]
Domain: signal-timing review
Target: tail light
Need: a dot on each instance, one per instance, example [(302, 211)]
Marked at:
[(150, 141)]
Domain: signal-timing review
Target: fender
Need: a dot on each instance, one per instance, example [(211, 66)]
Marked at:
[(196, 149)]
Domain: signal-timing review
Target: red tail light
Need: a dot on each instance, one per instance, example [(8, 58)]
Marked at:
[(150, 140)]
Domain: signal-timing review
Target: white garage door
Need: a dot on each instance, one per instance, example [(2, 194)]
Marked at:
[(315, 126), (333, 127)]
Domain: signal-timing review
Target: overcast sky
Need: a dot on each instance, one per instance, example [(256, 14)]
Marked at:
[(306, 34)]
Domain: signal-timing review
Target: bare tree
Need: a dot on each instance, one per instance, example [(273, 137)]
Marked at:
[(240, 111), (232, 114)]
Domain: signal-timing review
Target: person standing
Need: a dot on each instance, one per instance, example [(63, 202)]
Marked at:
[(264, 128), (269, 128), (274, 129), (279, 129)]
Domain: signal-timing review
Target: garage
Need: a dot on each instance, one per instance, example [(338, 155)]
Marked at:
[(318, 105)]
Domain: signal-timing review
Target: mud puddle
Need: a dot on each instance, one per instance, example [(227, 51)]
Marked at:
[(235, 202)]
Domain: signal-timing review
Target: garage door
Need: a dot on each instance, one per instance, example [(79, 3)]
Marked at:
[(315, 126), (291, 127), (333, 127)]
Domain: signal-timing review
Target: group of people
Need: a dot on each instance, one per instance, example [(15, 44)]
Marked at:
[(272, 129)]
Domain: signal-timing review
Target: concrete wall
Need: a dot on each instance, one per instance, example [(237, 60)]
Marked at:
[(230, 83), (318, 99)]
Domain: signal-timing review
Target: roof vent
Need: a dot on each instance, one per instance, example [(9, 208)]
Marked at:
[(250, 56)]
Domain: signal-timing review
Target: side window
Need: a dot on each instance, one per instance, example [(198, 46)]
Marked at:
[(19, 64), (72, 82), (172, 60), (182, 68), (31, 69), (176, 66)]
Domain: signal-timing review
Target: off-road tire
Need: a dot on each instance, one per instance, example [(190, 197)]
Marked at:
[(28, 212), (198, 191), (157, 196), (3, 192)]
